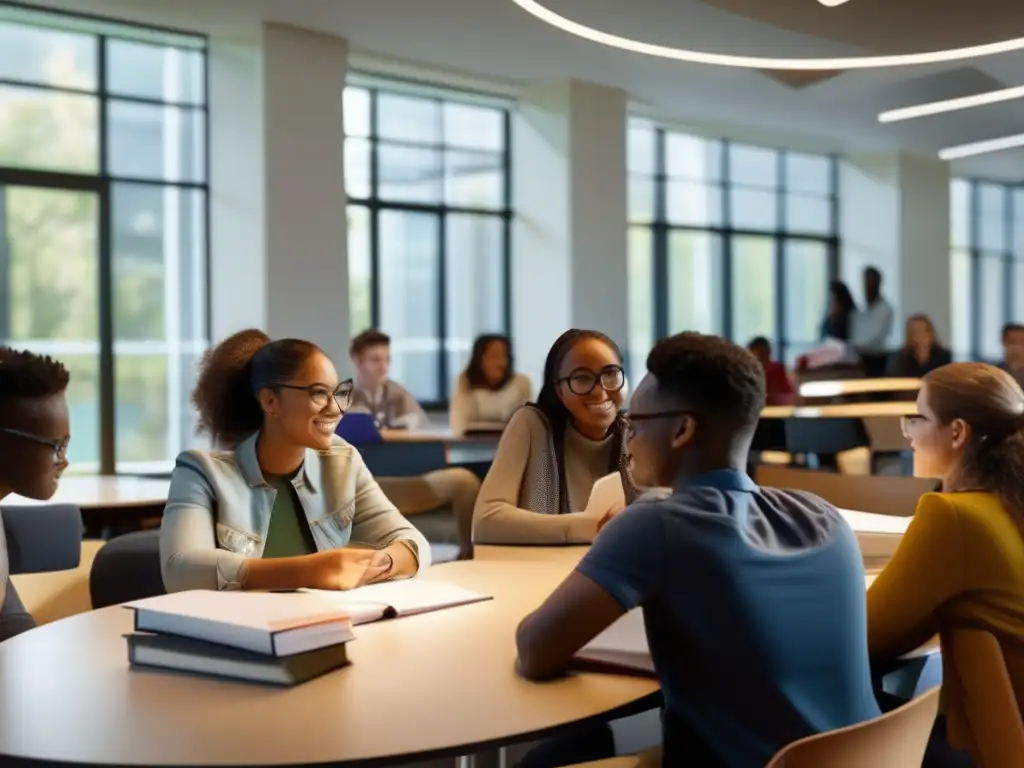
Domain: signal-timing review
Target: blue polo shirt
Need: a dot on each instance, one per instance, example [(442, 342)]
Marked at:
[(754, 604)]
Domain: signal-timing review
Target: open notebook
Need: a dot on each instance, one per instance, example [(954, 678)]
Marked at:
[(622, 647), (396, 598)]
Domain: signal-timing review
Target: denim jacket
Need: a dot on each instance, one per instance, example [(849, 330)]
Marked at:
[(219, 504)]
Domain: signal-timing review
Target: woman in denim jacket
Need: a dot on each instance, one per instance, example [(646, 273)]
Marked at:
[(287, 504)]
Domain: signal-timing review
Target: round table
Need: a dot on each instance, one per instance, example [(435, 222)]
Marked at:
[(102, 491), (419, 687)]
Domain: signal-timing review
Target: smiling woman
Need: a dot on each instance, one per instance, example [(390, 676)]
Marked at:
[(279, 508)]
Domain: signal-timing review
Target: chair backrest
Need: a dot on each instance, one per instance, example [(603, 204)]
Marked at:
[(897, 739), (43, 538), (878, 493), (977, 678)]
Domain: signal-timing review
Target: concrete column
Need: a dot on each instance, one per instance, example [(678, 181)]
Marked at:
[(304, 188), (569, 237), (894, 215)]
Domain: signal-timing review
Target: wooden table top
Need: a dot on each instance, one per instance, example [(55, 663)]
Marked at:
[(858, 387), (423, 686), (848, 410), (92, 491)]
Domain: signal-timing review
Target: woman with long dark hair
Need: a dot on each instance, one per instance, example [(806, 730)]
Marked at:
[(922, 352), (960, 565), (489, 391), (555, 449), (838, 322), (278, 507)]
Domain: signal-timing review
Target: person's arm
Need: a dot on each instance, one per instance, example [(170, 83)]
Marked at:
[(498, 520), (927, 569), (620, 572), (378, 523), (462, 410)]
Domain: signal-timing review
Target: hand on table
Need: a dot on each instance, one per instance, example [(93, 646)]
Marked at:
[(609, 515), (348, 568)]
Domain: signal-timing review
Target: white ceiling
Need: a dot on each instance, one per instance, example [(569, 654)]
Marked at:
[(494, 39)]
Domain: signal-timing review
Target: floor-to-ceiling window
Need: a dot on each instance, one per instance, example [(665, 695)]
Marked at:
[(728, 238), (103, 224), (987, 265), (427, 177)]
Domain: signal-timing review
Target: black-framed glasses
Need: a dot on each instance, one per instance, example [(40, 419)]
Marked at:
[(583, 380), (59, 447), (634, 417), (908, 421), (321, 394)]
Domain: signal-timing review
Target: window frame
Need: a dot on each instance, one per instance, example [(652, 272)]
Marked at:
[(102, 182), (374, 205), (661, 229)]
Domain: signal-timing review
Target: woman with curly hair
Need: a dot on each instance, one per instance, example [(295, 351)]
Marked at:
[(285, 504)]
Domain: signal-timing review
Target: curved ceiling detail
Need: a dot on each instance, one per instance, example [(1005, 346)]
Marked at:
[(838, 24)]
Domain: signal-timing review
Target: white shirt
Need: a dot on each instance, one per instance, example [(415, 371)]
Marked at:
[(872, 327)]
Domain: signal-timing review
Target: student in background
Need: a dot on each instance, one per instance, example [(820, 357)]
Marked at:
[(872, 326), (286, 504), (392, 405), (489, 390), (1013, 350), (921, 352), (961, 562), (838, 322), (778, 386), (554, 450), (753, 597), (34, 436)]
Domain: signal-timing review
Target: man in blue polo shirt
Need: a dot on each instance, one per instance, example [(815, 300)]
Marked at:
[(753, 598)]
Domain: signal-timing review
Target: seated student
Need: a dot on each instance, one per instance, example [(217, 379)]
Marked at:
[(961, 561), (488, 390), (778, 387), (553, 451), (753, 598), (394, 407), (287, 504), (921, 352), (34, 436), (1013, 350)]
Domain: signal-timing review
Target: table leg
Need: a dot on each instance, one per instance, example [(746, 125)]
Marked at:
[(464, 761), (502, 757)]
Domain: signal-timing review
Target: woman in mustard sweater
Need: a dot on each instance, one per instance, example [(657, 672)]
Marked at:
[(961, 561)]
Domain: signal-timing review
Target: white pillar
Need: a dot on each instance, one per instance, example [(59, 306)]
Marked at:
[(307, 264), (569, 237), (894, 215)]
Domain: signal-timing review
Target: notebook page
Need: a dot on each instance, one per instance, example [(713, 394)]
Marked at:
[(404, 597)]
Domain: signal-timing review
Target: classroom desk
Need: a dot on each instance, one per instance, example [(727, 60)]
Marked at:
[(419, 687), (842, 388), (458, 449)]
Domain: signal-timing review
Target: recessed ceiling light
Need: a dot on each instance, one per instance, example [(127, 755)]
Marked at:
[(982, 147), (952, 105), (548, 16), (833, 3)]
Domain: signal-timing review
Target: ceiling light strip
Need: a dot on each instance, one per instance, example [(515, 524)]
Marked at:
[(833, 3), (952, 105), (548, 16), (982, 147)]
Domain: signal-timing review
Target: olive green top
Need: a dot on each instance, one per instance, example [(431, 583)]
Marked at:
[(288, 534)]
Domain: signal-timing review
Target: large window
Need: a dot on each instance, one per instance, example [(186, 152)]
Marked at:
[(103, 225), (428, 220), (987, 265), (727, 238)]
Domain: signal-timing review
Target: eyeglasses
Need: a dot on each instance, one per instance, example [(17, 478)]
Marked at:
[(634, 417), (582, 381), (321, 394), (60, 447), (907, 423)]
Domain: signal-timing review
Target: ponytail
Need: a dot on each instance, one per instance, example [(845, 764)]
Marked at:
[(229, 410), (996, 463)]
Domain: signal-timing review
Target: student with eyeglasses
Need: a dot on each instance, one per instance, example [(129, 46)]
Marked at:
[(34, 435), (555, 449), (286, 504)]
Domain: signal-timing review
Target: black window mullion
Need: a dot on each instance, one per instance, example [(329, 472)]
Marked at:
[(727, 243), (506, 232), (1007, 255), (779, 252), (661, 288), (374, 219), (107, 370), (975, 270)]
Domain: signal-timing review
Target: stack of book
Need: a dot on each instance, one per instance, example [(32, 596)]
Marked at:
[(281, 638)]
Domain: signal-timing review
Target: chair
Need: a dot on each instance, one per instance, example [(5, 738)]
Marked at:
[(988, 723), (882, 495), (127, 568), (43, 538), (897, 739)]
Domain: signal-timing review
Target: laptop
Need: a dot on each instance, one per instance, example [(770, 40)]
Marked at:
[(358, 429)]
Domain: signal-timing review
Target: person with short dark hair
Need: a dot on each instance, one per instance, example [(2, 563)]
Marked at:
[(778, 387), (489, 390), (279, 505), (1013, 350), (872, 326), (34, 434), (391, 404), (753, 598)]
